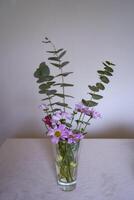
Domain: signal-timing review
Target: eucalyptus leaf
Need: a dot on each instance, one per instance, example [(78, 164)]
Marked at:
[(44, 86), (47, 85), (101, 72), (108, 73), (52, 104), (50, 92), (56, 65), (109, 69), (48, 98), (55, 52), (54, 58), (64, 74), (62, 104), (62, 54), (96, 96), (93, 88), (106, 65), (100, 86), (110, 63), (46, 41), (59, 50), (104, 79), (63, 95), (54, 110), (64, 84), (42, 91), (42, 71), (89, 103), (64, 63), (50, 83), (45, 78)]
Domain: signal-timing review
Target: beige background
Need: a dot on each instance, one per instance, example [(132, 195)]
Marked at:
[(91, 31)]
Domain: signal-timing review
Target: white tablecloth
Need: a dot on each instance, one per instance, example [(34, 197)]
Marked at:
[(106, 171)]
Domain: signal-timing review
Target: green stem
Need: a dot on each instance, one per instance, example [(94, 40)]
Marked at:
[(81, 122), (87, 124), (65, 169), (78, 121), (72, 119), (68, 162)]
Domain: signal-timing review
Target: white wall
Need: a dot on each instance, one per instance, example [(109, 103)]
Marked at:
[(92, 31)]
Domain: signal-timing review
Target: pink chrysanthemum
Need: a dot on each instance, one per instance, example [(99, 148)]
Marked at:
[(59, 115), (80, 107), (74, 137), (94, 114), (58, 133)]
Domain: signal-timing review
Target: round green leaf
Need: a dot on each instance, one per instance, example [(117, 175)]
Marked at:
[(96, 96), (100, 86), (42, 71), (89, 103), (44, 86), (104, 79), (110, 63), (101, 72), (50, 92), (93, 88), (45, 78), (107, 73), (109, 69)]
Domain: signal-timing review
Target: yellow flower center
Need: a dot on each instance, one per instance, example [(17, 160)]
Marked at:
[(57, 133)]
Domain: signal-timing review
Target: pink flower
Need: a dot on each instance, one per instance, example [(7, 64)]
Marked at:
[(74, 137), (57, 133), (48, 120), (59, 115), (94, 114), (81, 108)]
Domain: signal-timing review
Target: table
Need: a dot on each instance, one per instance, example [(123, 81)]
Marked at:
[(106, 170)]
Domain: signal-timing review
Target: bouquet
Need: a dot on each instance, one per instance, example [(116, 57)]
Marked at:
[(65, 126)]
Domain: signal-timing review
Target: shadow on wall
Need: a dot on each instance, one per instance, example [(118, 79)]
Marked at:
[(112, 132)]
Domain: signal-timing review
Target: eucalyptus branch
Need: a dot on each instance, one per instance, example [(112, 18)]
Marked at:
[(46, 81), (107, 71), (62, 78)]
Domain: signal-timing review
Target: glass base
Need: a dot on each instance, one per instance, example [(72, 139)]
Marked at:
[(67, 186)]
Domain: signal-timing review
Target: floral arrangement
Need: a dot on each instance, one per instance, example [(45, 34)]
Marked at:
[(59, 122), (66, 129)]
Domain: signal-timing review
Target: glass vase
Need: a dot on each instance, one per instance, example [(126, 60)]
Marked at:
[(66, 160)]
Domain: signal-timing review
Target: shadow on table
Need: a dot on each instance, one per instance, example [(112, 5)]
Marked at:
[(121, 131)]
